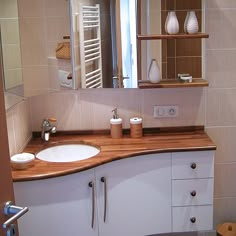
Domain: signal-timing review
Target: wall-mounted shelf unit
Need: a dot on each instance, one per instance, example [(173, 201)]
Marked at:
[(172, 36), (146, 84)]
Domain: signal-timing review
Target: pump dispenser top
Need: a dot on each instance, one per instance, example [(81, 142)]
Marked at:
[(115, 115), (116, 125)]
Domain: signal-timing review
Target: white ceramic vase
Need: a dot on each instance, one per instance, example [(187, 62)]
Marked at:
[(192, 23), (172, 24), (154, 73), (186, 21)]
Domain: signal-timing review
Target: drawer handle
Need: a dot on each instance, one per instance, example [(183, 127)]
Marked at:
[(193, 219), (193, 166), (193, 193)]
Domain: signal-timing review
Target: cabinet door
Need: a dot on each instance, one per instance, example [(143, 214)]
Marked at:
[(138, 196), (58, 206)]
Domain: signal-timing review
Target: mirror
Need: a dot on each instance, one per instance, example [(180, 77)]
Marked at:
[(10, 47), (32, 29), (30, 33), (37, 26)]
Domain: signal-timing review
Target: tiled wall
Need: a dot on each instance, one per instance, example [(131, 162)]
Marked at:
[(215, 106), (18, 126), (221, 102), (91, 109), (42, 25), (10, 43)]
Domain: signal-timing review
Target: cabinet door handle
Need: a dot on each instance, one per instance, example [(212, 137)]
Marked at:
[(193, 166), (91, 185), (193, 193), (103, 180), (193, 219)]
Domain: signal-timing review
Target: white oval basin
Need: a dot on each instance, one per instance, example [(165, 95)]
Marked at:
[(67, 153)]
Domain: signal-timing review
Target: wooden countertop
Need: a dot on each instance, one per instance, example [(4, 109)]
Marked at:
[(111, 150)]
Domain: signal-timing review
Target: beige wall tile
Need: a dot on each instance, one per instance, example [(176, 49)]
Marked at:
[(31, 8), (220, 4), (36, 80), (33, 45), (224, 138), (97, 105), (13, 78), (22, 122), (86, 104), (11, 132), (128, 103), (57, 27), (8, 9), (18, 126), (190, 102), (12, 56), (53, 78), (225, 175), (224, 210), (221, 23), (10, 31), (62, 106), (61, 9), (221, 70), (221, 107)]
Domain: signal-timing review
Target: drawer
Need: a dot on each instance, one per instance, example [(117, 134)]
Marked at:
[(192, 218), (189, 165), (192, 192)]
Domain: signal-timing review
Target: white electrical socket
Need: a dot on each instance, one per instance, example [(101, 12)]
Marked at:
[(166, 111)]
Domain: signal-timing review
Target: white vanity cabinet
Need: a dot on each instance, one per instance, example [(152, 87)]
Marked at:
[(192, 191), (137, 196), (57, 207)]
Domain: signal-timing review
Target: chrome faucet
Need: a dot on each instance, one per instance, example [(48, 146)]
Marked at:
[(47, 128)]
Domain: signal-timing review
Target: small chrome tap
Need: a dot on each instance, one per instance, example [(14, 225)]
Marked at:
[(47, 128)]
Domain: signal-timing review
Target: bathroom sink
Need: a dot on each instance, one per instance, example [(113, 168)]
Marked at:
[(67, 153)]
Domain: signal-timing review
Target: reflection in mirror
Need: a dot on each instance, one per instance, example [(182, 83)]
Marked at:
[(150, 19), (108, 59), (31, 31), (10, 47)]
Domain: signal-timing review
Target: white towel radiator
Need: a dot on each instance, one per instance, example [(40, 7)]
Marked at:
[(90, 46)]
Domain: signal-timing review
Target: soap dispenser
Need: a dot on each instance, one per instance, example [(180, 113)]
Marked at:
[(116, 125)]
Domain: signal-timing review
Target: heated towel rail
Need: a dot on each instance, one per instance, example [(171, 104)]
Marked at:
[(90, 46)]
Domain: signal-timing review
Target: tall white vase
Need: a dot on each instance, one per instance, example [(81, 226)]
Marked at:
[(172, 24), (154, 73), (192, 23), (186, 21)]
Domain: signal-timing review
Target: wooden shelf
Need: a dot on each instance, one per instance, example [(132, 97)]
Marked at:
[(172, 36), (145, 84)]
